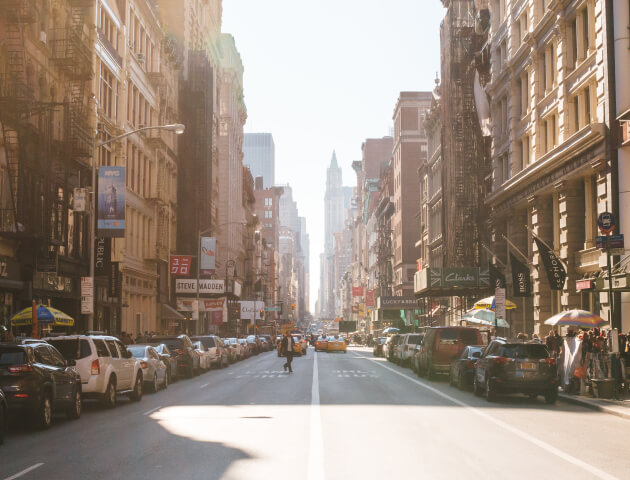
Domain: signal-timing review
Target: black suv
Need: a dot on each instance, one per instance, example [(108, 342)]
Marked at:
[(182, 349), (508, 366), (38, 381)]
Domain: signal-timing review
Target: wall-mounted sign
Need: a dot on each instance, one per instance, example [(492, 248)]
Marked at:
[(211, 286), (179, 265), (111, 202), (87, 295), (369, 298), (102, 256), (208, 251), (397, 303), (357, 291), (185, 285)]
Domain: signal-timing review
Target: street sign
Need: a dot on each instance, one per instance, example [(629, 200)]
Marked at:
[(273, 309), (614, 241), (606, 222), (499, 303), (87, 295)]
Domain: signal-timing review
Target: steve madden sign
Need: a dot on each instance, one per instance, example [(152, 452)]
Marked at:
[(206, 286)]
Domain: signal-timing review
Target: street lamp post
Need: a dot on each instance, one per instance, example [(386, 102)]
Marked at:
[(178, 128)]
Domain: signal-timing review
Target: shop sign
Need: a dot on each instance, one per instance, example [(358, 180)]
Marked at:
[(210, 287), (185, 285), (397, 303), (583, 284), (179, 265), (115, 281), (79, 199), (237, 288), (212, 305), (620, 283), (47, 262), (4, 269), (186, 304), (369, 298), (102, 256), (357, 291), (250, 310)]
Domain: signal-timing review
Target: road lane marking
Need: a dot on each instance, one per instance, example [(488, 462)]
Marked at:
[(203, 386), (24, 472), (525, 436), (316, 450), (152, 410)]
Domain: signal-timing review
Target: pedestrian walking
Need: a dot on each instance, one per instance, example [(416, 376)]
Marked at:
[(287, 348)]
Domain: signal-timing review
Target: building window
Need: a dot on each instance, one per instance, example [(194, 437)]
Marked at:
[(548, 68), (523, 86), (268, 202), (580, 107), (268, 214), (108, 94), (580, 36)]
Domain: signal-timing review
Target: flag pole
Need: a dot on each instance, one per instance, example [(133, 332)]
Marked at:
[(493, 255), (517, 250)]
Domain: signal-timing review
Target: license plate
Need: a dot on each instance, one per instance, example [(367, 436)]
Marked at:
[(528, 366)]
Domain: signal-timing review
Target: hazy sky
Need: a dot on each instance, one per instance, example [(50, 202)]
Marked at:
[(323, 75)]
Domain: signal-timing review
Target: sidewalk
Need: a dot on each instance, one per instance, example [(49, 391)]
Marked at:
[(620, 408)]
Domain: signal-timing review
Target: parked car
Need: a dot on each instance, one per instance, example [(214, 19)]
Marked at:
[(408, 347), (269, 340), (253, 340), (321, 345), (389, 348), (377, 350), (181, 346), (463, 368), (106, 367), (205, 359), (216, 349), (236, 347), (516, 367), (37, 382), (169, 360), (4, 416), (266, 346), (442, 345), (154, 370), (245, 346)]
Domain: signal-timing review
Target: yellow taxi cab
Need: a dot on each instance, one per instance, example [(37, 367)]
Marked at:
[(303, 342), (321, 344), (297, 346), (336, 344)]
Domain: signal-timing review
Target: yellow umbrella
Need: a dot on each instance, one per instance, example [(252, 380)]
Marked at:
[(45, 314), (488, 304)]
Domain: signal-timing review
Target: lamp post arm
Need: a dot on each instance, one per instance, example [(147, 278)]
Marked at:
[(124, 135)]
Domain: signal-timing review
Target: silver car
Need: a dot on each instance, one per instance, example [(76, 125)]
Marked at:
[(153, 368)]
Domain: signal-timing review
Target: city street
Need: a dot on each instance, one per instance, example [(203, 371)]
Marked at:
[(358, 417)]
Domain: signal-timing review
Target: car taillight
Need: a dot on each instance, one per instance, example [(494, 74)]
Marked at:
[(143, 365), (96, 367), (501, 360), (20, 369), (550, 361), (21, 395)]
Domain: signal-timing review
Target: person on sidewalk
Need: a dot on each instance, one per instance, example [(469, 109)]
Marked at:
[(287, 349)]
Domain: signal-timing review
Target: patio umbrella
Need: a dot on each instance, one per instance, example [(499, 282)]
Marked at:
[(484, 317), (391, 330), (488, 303), (576, 318), (45, 314)]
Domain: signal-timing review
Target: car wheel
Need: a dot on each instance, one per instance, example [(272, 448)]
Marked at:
[(491, 396), (460, 381), (155, 386), (551, 396), (430, 372), (43, 416), (74, 410), (136, 395), (109, 397), (166, 381), (476, 387)]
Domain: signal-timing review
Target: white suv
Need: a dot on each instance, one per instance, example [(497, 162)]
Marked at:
[(408, 347), (106, 367)]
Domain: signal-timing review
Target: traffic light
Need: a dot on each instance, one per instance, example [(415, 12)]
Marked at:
[(293, 306)]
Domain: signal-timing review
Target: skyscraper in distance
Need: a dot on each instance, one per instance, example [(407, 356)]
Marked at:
[(259, 153)]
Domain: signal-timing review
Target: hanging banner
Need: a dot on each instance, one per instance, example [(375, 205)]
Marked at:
[(208, 255), (497, 279), (556, 274), (102, 256), (111, 202), (369, 298), (179, 265), (357, 291), (212, 305), (186, 304), (521, 280), (79, 199)]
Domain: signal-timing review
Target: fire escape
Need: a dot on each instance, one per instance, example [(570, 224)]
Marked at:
[(16, 101)]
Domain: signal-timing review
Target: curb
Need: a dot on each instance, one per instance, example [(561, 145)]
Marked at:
[(593, 405)]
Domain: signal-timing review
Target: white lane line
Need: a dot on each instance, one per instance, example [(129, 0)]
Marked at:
[(525, 436), (152, 410), (203, 386), (24, 472), (316, 450)]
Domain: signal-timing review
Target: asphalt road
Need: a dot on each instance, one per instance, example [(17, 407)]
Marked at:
[(339, 416)]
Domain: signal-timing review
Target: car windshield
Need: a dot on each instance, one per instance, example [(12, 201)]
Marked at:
[(137, 351), (71, 348), (524, 350)]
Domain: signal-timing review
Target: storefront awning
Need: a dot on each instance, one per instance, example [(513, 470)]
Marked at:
[(169, 313)]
